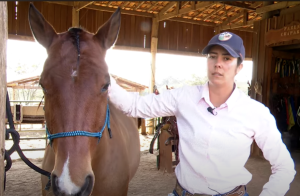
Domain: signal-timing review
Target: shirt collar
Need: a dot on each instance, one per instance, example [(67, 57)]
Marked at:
[(229, 102)]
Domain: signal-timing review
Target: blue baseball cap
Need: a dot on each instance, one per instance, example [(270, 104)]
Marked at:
[(230, 42)]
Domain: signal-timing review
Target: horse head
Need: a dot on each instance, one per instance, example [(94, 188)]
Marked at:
[(75, 80)]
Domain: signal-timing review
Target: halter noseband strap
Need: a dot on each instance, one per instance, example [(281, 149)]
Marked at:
[(83, 133)]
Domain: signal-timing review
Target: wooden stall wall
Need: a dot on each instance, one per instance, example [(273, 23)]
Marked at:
[(135, 30), (59, 16), (184, 37)]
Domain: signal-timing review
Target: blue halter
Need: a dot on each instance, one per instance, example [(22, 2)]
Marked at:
[(82, 133)]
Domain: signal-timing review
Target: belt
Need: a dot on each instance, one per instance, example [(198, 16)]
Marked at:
[(238, 191)]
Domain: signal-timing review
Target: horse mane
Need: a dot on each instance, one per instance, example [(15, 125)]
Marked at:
[(75, 36)]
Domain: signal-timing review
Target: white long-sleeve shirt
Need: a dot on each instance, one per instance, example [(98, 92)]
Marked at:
[(213, 149)]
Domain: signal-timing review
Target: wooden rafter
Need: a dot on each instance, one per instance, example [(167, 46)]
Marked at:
[(139, 5), (197, 22), (256, 4), (276, 6), (226, 12), (185, 10), (230, 19), (167, 8), (125, 4), (238, 5), (83, 5), (213, 12), (152, 6), (235, 26)]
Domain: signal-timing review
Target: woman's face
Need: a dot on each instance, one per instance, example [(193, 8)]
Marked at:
[(221, 66)]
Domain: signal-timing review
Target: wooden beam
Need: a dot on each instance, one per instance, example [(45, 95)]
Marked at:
[(106, 9), (190, 21), (139, 5), (234, 26), (290, 10), (245, 17), (226, 12), (230, 19), (238, 5), (75, 15), (216, 11), (128, 12), (166, 8), (256, 4), (152, 6), (125, 4), (203, 11), (245, 29), (185, 10), (82, 5), (3, 42), (276, 6), (68, 3)]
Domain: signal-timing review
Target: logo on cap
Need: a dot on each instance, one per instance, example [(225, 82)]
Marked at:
[(225, 36)]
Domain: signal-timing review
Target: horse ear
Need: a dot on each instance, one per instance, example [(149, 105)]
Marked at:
[(108, 33), (42, 31)]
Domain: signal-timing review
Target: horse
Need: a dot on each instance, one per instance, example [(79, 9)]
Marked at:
[(94, 148)]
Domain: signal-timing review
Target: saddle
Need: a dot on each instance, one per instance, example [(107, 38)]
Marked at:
[(169, 124)]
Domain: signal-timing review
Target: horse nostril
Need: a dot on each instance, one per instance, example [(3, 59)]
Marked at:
[(88, 186), (54, 184)]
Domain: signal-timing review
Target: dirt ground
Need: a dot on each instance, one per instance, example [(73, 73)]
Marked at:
[(148, 181)]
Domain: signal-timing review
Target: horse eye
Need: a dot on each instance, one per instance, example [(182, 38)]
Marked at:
[(105, 87), (44, 90)]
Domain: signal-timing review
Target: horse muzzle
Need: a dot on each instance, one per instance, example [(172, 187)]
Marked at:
[(59, 190)]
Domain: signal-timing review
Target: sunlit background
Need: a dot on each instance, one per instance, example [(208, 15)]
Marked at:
[(26, 59)]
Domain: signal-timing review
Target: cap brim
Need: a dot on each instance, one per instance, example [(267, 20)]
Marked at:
[(225, 46)]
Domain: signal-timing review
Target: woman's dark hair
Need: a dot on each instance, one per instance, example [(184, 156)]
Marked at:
[(239, 61)]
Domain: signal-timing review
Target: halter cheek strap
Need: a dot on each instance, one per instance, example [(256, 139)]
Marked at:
[(83, 133)]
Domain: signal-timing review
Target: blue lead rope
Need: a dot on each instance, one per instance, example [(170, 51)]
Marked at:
[(83, 133)]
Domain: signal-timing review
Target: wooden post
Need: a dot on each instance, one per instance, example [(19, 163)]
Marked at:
[(3, 40), (143, 127), (75, 15), (154, 41)]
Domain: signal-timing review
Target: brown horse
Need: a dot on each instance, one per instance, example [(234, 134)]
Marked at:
[(75, 80)]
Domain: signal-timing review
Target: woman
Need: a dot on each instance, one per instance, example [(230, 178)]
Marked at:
[(217, 124)]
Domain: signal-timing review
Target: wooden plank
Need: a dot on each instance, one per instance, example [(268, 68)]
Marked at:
[(173, 35), (230, 19), (290, 10), (212, 13), (166, 8), (163, 32), (195, 39), (3, 42), (132, 31), (57, 18), (276, 6), (11, 16), (239, 5), (139, 5), (184, 10), (152, 6)]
